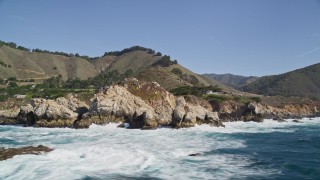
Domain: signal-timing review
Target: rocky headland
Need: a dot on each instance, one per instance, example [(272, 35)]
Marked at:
[(145, 105)]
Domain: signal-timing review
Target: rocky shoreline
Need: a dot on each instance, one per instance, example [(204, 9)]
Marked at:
[(144, 105)]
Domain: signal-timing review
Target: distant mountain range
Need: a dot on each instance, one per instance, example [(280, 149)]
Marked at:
[(300, 82), (232, 80)]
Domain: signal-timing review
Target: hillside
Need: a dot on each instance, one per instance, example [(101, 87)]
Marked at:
[(139, 62), (300, 82), (150, 67), (232, 80), (135, 60), (26, 65), (169, 80)]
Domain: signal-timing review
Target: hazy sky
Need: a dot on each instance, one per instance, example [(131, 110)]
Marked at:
[(246, 37)]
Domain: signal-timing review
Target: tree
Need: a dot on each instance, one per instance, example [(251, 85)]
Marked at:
[(177, 71), (128, 73), (12, 44), (194, 80), (23, 48), (12, 84), (12, 79)]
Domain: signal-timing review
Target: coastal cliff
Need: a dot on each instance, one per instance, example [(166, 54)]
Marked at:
[(145, 105), (133, 103)]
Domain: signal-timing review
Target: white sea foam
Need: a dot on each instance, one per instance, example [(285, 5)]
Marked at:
[(108, 151)]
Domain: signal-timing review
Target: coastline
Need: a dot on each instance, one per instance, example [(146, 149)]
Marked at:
[(146, 105)]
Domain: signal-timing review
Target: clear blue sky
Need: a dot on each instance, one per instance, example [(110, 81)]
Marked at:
[(246, 37)]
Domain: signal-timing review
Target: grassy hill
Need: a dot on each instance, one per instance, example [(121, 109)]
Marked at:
[(136, 60), (300, 82), (232, 80), (32, 65), (144, 66), (142, 63)]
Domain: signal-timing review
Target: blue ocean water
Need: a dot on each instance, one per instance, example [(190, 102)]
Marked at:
[(242, 150)]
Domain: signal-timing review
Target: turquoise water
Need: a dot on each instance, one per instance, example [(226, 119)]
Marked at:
[(268, 150)]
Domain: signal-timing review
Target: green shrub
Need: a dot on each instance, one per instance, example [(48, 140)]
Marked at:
[(256, 99), (217, 98), (177, 71), (3, 98), (12, 84)]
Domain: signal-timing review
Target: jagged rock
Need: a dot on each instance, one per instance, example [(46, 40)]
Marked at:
[(149, 124), (50, 113), (142, 122), (186, 115), (26, 115), (73, 104), (10, 113), (115, 104), (145, 106), (8, 116), (254, 118), (162, 101), (87, 120)]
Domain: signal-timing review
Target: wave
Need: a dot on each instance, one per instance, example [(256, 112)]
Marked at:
[(109, 152)]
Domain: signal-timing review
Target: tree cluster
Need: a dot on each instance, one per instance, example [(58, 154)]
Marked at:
[(4, 64), (194, 90), (133, 48), (105, 78), (14, 45), (189, 78), (165, 61)]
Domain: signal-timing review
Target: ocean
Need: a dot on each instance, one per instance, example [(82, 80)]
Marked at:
[(241, 150)]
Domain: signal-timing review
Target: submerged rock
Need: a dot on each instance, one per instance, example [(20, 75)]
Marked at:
[(296, 121), (195, 154), (10, 152)]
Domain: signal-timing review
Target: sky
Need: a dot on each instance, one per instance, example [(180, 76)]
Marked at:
[(247, 37)]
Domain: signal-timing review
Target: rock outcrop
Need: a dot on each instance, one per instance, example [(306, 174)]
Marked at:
[(257, 112), (140, 105), (162, 101), (116, 104), (61, 112), (144, 105), (187, 115), (8, 116), (287, 111), (74, 104)]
